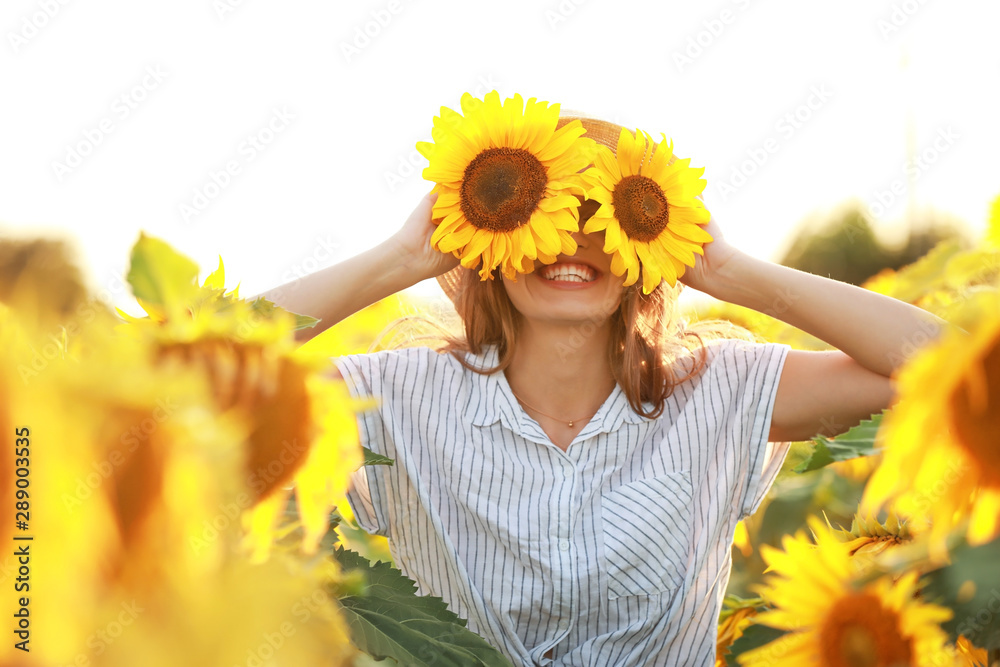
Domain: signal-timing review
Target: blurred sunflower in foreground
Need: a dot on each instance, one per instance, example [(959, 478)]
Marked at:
[(301, 430), (834, 618), (506, 180), (942, 461), (144, 440)]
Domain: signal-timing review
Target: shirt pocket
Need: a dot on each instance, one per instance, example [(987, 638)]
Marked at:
[(647, 527)]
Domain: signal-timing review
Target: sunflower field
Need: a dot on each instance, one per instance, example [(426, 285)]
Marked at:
[(174, 487)]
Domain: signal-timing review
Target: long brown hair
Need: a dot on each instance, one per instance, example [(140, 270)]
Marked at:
[(650, 345)]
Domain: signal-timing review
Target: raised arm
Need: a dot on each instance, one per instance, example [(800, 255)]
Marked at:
[(820, 392), (338, 291)]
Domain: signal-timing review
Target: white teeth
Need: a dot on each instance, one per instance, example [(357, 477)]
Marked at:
[(573, 273)]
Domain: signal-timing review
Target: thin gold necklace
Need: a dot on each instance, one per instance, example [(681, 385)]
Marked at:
[(527, 405)]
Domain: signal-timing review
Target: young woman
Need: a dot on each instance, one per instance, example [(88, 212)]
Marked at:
[(569, 475)]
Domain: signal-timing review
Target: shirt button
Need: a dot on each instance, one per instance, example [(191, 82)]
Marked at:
[(568, 472), (564, 546), (563, 625)]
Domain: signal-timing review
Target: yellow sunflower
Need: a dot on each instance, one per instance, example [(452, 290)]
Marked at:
[(736, 615), (868, 537), (969, 654), (506, 180), (299, 426), (650, 211), (942, 462), (833, 620)]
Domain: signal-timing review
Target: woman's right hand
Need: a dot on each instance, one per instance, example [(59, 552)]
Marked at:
[(413, 242)]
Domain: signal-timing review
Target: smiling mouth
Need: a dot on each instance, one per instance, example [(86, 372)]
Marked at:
[(573, 273)]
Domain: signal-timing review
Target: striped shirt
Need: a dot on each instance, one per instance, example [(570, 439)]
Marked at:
[(614, 552)]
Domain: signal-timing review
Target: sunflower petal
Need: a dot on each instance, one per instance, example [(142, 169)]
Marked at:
[(630, 152), (457, 239), (612, 236), (690, 232), (606, 161), (601, 219), (561, 142), (568, 244), (481, 240), (527, 242), (546, 236), (558, 203)]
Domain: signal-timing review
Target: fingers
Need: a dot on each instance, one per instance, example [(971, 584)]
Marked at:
[(430, 199), (425, 209)]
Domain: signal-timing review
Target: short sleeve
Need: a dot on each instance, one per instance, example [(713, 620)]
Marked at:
[(363, 376), (392, 378), (753, 370)]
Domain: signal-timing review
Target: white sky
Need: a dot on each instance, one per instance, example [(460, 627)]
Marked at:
[(334, 180)]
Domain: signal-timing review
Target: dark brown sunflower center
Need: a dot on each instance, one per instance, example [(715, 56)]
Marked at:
[(640, 207), (501, 188), (975, 406), (859, 632)]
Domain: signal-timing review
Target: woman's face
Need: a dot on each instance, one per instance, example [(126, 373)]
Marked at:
[(576, 288)]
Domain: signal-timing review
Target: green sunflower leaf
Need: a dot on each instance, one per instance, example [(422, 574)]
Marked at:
[(267, 308), (969, 587), (391, 621), (858, 441), (373, 459), (159, 275), (754, 636)]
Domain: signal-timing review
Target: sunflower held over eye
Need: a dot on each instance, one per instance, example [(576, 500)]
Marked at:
[(506, 180), (833, 619), (650, 211)]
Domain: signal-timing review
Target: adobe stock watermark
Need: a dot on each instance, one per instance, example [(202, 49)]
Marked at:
[(883, 199), (122, 106), (782, 302), (984, 618), (270, 643), (261, 479), (579, 333), (218, 180), (413, 162), (8, 568), (101, 640), (136, 435), (925, 499), (988, 270), (786, 127), (227, 516), (711, 30), (32, 24), (324, 253), (223, 8), (899, 15), (560, 12), (366, 33), (53, 347), (923, 336)]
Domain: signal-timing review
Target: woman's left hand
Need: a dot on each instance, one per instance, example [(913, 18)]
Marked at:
[(706, 267)]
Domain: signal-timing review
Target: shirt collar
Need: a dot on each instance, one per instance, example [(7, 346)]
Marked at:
[(492, 400)]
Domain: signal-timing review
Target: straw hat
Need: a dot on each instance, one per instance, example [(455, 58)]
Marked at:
[(601, 131)]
